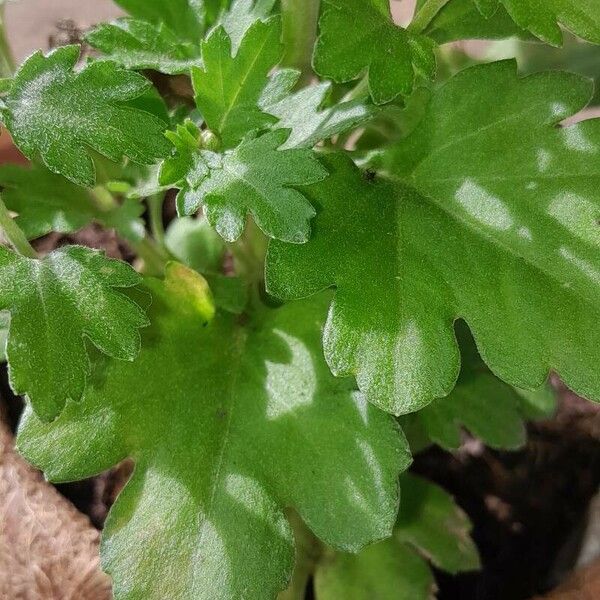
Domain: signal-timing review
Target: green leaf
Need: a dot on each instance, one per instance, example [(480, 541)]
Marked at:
[(141, 45), (61, 114), (196, 244), (186, 18), (255, 178), (358, 35), (491, 410), (429, 525), (242, 15), (46, 202), (461, 20), (582, 17), (228, 87), (55, 303), (224, 439), (301, 111), (498, 227)]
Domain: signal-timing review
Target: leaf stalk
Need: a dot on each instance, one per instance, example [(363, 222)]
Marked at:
[(14, 234), (427, 13)]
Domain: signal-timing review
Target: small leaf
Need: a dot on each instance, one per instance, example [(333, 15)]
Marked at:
[(61, 114), (255, 178), (358, 35), (186, 18), (227, 425), (54, 303), (228, 87), (242, 15), (141, 45), (301, 111), (429, 525)]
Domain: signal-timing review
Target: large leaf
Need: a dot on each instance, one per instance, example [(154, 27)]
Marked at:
[(358, 35), (55, 303), (303, 113), (255, 178), (502, 232), (429, 525), (60, 114), (242, 15), (46, 202), (228, 87), (139, 45), (227, 425)]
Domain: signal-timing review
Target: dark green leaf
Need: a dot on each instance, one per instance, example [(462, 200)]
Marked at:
[(227, 425), (55, 303), (61, 114), (255, 178), (359, 35), (502, 231)]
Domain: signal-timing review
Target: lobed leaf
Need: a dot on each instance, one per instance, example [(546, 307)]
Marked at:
[(60, 114), (498, 227), (228, 87), (141, 45), (430, 527), (223, 439), (301, 112), (257, 178), (359, 35), (54, 304)]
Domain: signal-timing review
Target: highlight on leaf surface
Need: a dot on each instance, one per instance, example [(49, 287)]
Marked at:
[(359, 35), (56, 303), (486, 225), (430, 528), (223, 440), (59, 114)]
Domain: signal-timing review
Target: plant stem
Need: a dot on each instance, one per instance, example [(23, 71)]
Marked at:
[(359, 90), (299, 18), (14, 234), (154, 258), (7, 61), (155, 208), (427, 13)]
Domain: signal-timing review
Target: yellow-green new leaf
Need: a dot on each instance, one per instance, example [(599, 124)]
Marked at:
[(228, 425), (55, 304), (60, 115)]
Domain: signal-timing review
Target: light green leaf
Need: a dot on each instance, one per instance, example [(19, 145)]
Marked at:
[(302, 111), (429, 525), (255, 178), (141, 45), (498, 227), (55, 304), (228, 87), (46, 202), (242, 15), (61, 114), (186, 18), (359, 35), (224, 439)]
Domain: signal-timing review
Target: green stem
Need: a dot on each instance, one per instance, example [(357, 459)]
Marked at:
[(154, 258), (427, 13), (7, 61), (299, 19), (155, 208), (14, 234), (359, 90)]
